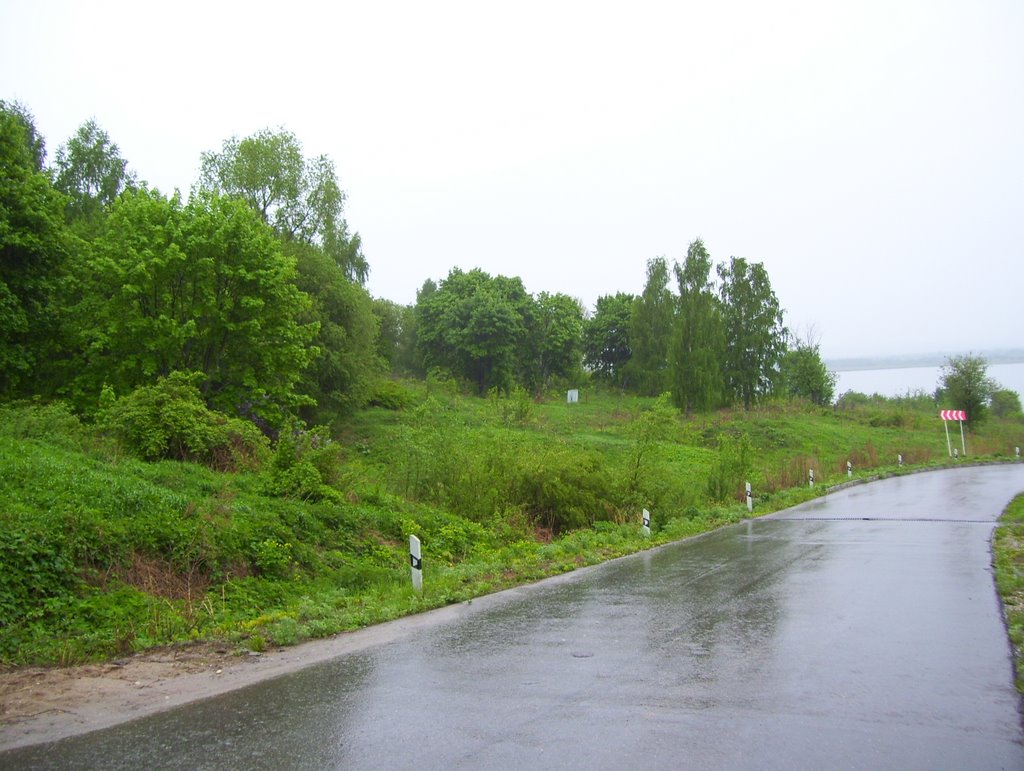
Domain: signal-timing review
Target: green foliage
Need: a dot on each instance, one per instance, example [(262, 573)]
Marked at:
[(698, 340), (475, 327), (33, 248), (1005, 403), (200, 287), (305, 465), (650, 427), (650, 331), (344, 373), (803, 374), (396, 340), (390, 395), (273, 558), (171, 420), (91, 172), (556, 336), (299, 197), (754, 336), (1008, 560), (38, 575), (966, 386), (53, 422), (732, 469), (130, 554), (513, 409), (606, 348)]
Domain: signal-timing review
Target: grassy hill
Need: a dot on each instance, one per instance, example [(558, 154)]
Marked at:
[(103, 554)]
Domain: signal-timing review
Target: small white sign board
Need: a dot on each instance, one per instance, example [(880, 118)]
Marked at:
[(572, 396)]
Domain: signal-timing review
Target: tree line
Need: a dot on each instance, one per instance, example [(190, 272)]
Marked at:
[(709, 345), (256, 285)]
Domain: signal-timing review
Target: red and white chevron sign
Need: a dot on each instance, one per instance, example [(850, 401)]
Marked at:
[(952, 414)]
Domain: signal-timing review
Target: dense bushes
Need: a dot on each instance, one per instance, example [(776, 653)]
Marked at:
[(171, 420)]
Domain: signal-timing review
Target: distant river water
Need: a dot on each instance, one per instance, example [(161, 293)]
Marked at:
[(900, 382)]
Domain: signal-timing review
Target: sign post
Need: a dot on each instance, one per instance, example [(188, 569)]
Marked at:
[(958, 415), (416, 563)]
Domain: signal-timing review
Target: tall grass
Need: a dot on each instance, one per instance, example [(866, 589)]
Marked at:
[(104, 554)]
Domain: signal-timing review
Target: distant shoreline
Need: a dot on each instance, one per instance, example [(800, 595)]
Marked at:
[(913, 361)]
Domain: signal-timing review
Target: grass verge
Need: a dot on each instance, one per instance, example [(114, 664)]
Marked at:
[(1008, 560)]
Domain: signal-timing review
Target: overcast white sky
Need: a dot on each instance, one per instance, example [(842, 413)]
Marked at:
[(870, 153)]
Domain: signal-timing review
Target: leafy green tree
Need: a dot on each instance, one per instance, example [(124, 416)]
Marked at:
[(474, 326), (33, 143), (33, 249), (966, 386), (91, 172), (803, 374), (557, 339), (606, 349), (299, 197), (202, 287), (1005, 403), (650, 331), (755, 338), (396, 341), (342, 376), (698, 342)]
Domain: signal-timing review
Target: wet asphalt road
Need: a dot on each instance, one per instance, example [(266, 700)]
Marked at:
[(861, 630)]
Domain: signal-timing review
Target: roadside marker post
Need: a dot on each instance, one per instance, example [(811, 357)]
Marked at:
[(960, 416), (1017, 450), (899, 459), (812, 477), (750, 498), (416, 563), (849, 469), (647, 522)]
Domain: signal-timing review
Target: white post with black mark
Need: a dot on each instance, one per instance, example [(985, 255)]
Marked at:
[(899, 459), (811, 477), (1017, 450), (416, 562), (849, 469), (750, 498), (647, 522)]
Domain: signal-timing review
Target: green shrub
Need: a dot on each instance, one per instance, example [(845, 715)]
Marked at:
[(38, 569), (735, 456), (305, 465), (54, 423), (171, 420), (390, 395)]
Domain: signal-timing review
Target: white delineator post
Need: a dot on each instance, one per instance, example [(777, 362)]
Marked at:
[(750, 498), (899, 459), (1017, 450), (647, 522), (416, 562), (811, 476), (849, 469)]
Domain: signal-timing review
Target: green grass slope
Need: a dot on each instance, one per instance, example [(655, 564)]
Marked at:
[(102, 554)]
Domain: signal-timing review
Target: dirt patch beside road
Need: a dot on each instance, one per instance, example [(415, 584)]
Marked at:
[(36, 701)]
